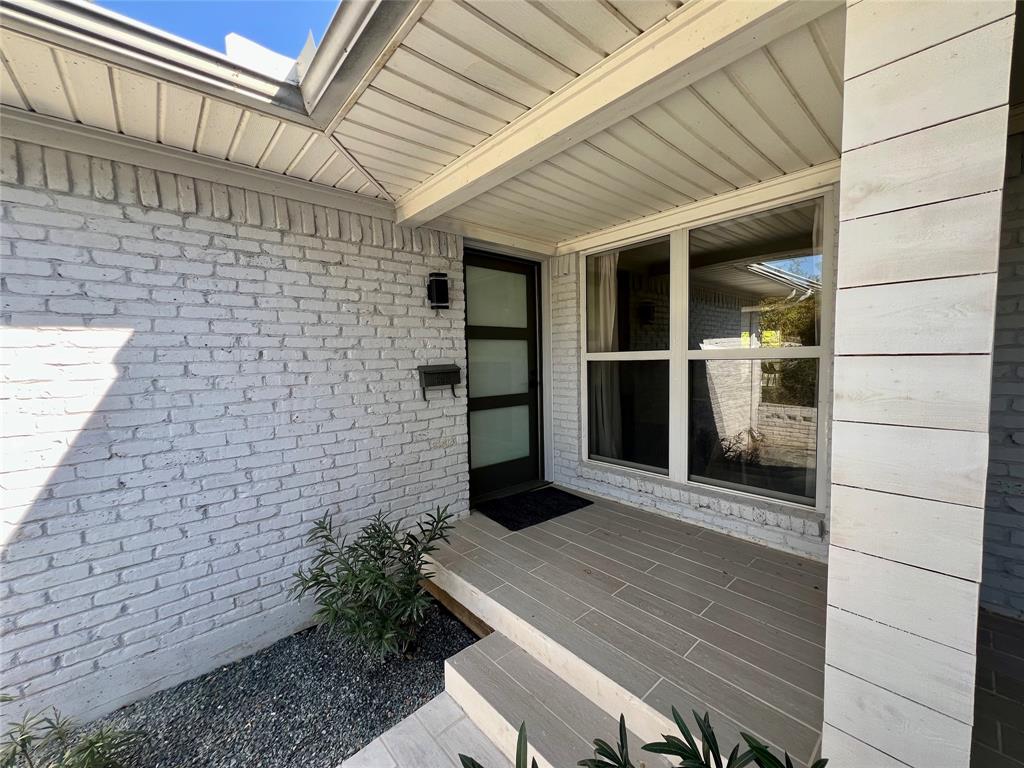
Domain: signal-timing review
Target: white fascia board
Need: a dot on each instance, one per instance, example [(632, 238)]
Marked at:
[(489, 235), (73, 137), (119, 41), (768, 194), (700, 38), (361, 36)]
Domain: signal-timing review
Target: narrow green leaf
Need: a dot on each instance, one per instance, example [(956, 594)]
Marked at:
[(521, 747)]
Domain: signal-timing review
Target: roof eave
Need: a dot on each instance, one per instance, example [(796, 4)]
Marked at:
[(110, 37), (360, 32)]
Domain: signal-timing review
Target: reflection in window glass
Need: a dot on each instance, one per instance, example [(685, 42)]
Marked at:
[(755, 281), (628, 299), (628, 410), (754, 425)]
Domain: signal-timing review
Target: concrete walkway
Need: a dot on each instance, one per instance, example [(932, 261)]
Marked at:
[(431, 737)]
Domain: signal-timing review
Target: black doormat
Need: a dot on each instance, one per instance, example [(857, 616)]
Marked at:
[(521, 510)]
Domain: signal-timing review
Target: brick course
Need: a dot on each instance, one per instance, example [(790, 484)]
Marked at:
[(192, 374), (1002, 586)]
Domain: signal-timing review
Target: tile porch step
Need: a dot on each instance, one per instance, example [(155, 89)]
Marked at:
[(625, 649), (500, 686)]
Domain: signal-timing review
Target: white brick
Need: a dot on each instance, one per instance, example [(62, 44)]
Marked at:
[(1002, 588), (185, 406)]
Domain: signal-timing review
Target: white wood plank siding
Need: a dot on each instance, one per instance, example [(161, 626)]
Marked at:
[(956, 237), (936, 85), (911, 391), (878, 653), (924, 142)]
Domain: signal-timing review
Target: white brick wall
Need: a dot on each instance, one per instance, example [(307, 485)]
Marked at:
[(776, 525), (1002, 586), (192, 374)]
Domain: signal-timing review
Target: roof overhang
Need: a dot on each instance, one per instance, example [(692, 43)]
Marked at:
[(360, 36), (94, 31), (357, 42), (47, 131), (698, 38)]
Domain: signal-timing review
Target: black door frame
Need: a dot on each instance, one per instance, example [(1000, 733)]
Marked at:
[(498, 479)]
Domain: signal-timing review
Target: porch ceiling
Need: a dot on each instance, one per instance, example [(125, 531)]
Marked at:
[(468, 68), (443, 82), (773, 112)]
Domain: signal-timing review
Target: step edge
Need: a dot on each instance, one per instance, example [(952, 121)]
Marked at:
[(503, 734), (641, 718)]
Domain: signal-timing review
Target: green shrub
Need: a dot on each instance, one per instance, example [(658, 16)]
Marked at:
[(708, 755), (48, 740), (371, 589)]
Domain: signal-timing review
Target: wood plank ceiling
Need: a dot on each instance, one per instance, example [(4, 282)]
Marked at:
[(468, 68), (773, 112), (465, 70)]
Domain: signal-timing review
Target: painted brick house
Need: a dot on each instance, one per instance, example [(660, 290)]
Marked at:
[(746, 273)]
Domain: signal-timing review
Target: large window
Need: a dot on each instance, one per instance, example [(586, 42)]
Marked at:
[(628, 340), (704, 353)]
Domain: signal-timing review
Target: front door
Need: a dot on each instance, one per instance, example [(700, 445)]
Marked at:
[(503, 375)]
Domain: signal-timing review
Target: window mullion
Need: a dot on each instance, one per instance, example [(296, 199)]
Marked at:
[(755, 353), (677, 410), (825, 384), (654, 354)]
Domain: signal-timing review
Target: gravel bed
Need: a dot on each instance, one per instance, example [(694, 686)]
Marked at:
[(305, 701)]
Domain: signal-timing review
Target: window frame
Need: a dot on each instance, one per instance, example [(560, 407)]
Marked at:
[(643, 355), (679, 355)]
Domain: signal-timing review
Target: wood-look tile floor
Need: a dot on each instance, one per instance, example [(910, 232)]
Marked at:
[(999, 693), (677, 614)]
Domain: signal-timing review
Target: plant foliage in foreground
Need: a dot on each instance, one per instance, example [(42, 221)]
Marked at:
[(708, 755), (48, 740), (370, 589)]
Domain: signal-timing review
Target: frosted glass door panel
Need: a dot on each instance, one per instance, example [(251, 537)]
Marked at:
[(498, 367), (498, 434), (502, 373), (496, 298)]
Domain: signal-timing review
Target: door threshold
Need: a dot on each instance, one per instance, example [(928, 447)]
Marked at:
[(531, 485)]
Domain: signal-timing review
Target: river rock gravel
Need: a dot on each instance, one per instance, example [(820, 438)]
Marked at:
[(307, 700)]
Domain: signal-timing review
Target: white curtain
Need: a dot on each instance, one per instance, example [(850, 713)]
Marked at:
[(605, 413)]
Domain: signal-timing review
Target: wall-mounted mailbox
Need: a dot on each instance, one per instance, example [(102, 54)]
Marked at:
[(439, 376)]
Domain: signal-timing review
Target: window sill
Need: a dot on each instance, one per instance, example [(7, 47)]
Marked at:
[(777, 506)]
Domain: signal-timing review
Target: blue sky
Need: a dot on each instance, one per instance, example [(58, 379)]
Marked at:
[(280, 25)]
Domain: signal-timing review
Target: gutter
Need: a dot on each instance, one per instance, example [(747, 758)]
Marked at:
[(359, 32), (101, 34)]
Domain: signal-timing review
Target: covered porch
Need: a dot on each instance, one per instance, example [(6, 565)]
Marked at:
[(638, 613), (655, 177)]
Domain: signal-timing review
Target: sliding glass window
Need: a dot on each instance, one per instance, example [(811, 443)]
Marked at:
[(712, 375)]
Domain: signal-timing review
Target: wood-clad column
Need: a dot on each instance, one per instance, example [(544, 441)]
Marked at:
[(924, 140)]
